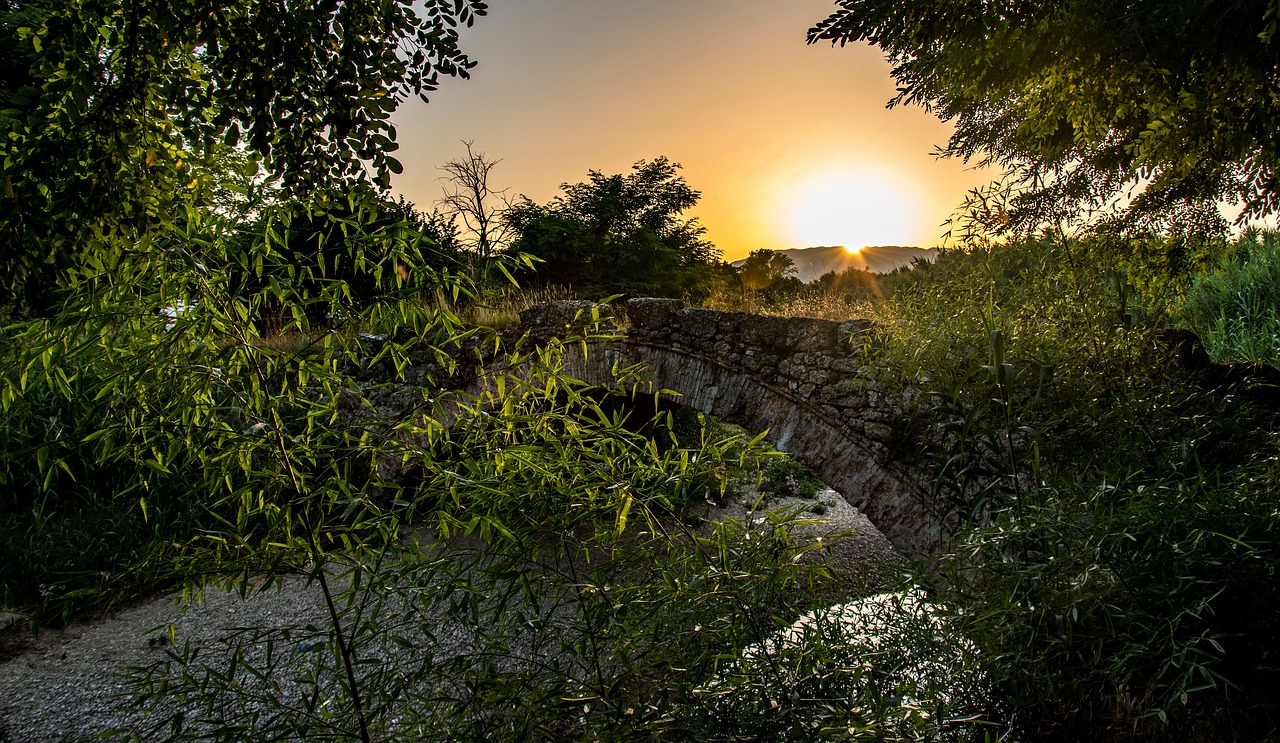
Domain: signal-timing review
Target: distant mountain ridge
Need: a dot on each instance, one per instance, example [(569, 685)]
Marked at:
[(813, 262)]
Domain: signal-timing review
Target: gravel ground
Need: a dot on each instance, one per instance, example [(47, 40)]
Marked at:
[(65, 684)]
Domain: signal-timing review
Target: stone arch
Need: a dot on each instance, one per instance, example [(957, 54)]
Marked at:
[(858, 468), (801, 381)]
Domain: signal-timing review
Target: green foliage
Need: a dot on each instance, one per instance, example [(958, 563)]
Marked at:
[(619, 235), (314, 251), (17, 56), (1078, 103), (73, 515), (1161, 268), (850, 285), (764, 269), (553, 449), (105, 139), (436, 227), (162, 426), (1055, 300), (1130, 604), (1115, 519), (1079, 364), (783, 477), (1236, 309)]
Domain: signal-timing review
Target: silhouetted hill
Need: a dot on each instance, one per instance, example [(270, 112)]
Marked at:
[(813, 262)]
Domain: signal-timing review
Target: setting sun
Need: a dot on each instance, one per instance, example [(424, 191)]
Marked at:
[(850, 209)]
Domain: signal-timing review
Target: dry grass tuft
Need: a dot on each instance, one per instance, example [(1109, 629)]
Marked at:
[(501, 308)]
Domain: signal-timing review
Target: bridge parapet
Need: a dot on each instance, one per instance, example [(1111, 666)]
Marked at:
[(817, 360)]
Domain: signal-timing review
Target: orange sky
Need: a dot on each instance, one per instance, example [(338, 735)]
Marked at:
[(790, 144)]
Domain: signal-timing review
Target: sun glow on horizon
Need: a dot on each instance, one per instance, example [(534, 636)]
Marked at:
[(853, 209)]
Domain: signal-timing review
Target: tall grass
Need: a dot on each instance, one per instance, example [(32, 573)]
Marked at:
[(811, 302), (501, 307), (1236, 309), (824, 307)]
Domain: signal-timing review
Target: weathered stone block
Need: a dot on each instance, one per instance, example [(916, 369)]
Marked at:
[(806, 334), (878, 431), (557, 317), (771, 333), (847, 365), (698, 324), (653, 316)]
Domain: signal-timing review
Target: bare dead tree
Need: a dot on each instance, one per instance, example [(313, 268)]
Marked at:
[(476, 204)]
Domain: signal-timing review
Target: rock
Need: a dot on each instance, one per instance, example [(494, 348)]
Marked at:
[(895, 656), (562, 317), (650, 315)]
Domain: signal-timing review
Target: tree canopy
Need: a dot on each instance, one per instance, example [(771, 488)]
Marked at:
[(123, 103), (1152, 110), (851, 285), (764, 268), (619, 234)]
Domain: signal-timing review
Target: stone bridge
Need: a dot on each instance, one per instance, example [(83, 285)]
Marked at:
[(797, 379)]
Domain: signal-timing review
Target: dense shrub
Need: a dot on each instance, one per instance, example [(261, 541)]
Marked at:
[(1116, 541), (71, 513), (129, 433), (783, 477), (1236, 309), (1128, 609)]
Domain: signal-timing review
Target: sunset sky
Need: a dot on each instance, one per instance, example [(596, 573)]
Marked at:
[(790, 144)]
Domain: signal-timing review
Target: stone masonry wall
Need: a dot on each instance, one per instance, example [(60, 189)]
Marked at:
[(799, 379)]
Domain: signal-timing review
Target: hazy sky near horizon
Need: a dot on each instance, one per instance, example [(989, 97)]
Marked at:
[(790, 144)]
